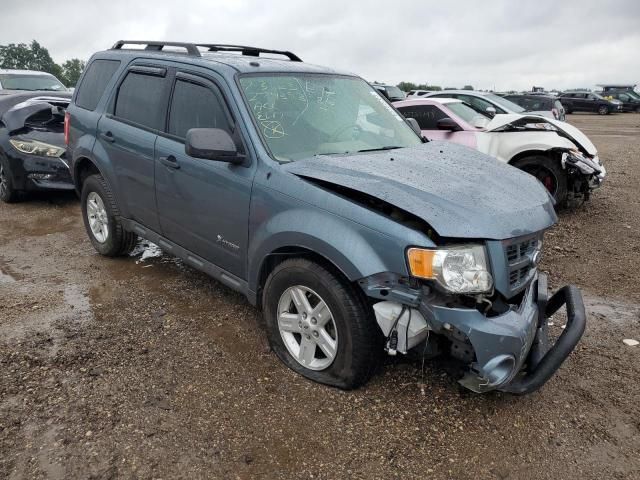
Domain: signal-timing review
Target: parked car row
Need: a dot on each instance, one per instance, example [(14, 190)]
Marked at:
[(306, 190)]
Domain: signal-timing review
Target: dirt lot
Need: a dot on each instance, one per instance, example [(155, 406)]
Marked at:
[(136, 368)]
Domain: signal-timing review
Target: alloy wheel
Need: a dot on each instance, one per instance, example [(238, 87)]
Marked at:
[(545, 176), (98, 218), (307, 328)]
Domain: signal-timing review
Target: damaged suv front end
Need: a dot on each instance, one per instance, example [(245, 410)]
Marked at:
[(443, 241), (473, 290)]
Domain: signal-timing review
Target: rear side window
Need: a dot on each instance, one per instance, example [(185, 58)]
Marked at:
[(95, 80), (142, 100), (427, 116), (195, 106)]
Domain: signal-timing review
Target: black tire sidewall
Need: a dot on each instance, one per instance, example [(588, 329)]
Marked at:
[(603, 110), (11, 194), (342, 372), (96, 184), (553, 166)]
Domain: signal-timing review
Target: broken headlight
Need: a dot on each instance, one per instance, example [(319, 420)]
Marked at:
[(461, 269), (33, 147)]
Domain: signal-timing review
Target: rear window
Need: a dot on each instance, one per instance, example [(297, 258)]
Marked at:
[(94, 82), (427, 116), (142, 100)]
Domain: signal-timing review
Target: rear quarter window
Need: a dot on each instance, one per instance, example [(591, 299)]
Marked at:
[(94, 82)]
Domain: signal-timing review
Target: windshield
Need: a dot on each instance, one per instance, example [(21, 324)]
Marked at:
[(395, 93), (469, 114), (303, 115), (508, 105), (22, 81)]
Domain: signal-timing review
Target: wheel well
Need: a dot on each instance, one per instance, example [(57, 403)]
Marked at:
[(281, 254), (530, 153), (84, 167)]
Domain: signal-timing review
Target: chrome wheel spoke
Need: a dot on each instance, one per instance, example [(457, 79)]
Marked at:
[(289, 322), (300, 299), (320, 314), (327, 344), (307, 352)]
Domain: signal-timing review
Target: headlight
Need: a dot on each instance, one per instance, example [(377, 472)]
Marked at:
[(33, 147), (462, 269)]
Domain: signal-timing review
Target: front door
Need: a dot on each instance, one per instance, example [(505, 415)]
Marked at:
[(203, 205)]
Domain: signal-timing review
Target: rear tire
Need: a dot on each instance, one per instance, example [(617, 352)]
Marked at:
[(100, 214), (8, 193), (354, 338), (549, 172), (603, 110)]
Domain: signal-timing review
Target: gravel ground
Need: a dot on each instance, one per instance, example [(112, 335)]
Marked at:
[(144, 368)]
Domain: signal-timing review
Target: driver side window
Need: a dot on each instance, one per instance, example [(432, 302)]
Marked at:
[(196, 106)]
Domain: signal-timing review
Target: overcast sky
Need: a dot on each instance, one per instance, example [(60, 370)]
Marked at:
[(500, 44)]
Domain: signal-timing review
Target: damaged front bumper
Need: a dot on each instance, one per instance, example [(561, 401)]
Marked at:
[(512, 351), (591, 168)]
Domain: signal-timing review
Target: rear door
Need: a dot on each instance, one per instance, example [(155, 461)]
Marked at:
[(203, 205), (128, 135)]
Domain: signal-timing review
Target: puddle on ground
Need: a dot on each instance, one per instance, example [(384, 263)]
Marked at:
[(5, 277)]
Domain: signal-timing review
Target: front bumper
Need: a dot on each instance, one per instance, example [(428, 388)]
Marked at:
[(512, 351), (591, 168), (31, 173)]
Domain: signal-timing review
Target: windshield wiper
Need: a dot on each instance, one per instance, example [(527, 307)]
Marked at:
[(379, 149)]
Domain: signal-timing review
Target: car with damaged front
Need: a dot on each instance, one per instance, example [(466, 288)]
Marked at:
[(268, 174), (32, 148), (555, 152)]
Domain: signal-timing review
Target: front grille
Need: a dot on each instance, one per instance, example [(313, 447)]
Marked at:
[(521, 254)]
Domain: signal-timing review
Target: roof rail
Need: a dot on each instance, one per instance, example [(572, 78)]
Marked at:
[(193, 50), (249, 51)]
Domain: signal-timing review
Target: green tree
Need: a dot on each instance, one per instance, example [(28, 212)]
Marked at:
[(468, 87), (71, 71), (28, 57)]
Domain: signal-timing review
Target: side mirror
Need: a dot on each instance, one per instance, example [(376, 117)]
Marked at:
[(447, 123), (413, 123), (491, 111), (212, 144)]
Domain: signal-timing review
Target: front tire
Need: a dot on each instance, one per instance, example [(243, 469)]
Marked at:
[(319, 325), (100, 215), (8, 193), (549, 172), (603, 110)]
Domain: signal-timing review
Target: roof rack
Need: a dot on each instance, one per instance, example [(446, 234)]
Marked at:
[(193, 50)]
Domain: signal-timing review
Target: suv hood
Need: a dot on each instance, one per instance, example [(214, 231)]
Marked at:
[(460, 192), (567, 130)]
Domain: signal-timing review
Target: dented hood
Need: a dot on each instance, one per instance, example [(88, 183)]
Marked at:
[(458, 191), (567, 130)]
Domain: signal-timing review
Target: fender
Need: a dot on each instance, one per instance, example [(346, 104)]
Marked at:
[(357, 251)]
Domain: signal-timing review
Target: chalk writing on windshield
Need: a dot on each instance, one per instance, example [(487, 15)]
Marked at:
[(283, 101)]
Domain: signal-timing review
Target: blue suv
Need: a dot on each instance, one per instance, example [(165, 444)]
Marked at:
[(305, 189)]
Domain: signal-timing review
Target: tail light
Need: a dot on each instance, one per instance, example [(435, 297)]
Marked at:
[(67, 121)]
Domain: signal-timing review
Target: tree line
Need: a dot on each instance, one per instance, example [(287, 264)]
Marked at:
[(407, 86), (34, 56)]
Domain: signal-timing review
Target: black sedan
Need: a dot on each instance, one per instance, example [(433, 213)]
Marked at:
[(32, 149)]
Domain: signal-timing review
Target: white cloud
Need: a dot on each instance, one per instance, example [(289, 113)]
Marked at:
[(501, 43)]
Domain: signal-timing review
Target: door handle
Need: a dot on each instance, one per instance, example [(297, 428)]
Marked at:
[(107, 137), (170, 161)]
